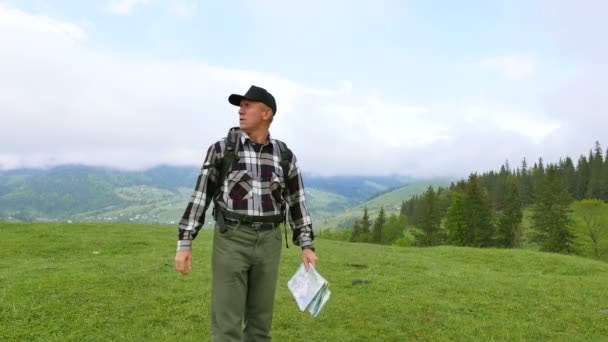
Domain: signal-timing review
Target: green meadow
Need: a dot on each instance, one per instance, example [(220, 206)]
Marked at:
[(116, 282)]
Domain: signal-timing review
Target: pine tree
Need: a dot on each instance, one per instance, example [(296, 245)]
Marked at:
[(378, 225), (509, 223), (459, 186), (355, 235), (525, 187), (536, 176), (596, 162), (551, 215), (455, 222), (500, 188), (489, 181), (569, 173), (416, 216), (429, 225), (604, 183), (582, 178), (478, 214), (444, 199), (410, 207), (365, 227), (393, 229)]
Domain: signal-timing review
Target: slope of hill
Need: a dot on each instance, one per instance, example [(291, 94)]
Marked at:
[(325, 204), (391, 201), (365, 186), (117, 282)]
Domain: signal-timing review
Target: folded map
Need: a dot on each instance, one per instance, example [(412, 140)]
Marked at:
[(310, 289)]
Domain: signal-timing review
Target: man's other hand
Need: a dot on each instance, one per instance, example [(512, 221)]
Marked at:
[(308, 256), (183, 262)]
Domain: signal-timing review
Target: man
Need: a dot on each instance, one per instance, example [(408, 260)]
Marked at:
[(250, 199)]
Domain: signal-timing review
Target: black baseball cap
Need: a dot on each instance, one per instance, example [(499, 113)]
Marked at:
[(257, 94)]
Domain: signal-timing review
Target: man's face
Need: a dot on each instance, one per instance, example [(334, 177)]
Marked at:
[(252, 115)]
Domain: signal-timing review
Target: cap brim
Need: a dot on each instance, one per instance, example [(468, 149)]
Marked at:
[(235, 99)]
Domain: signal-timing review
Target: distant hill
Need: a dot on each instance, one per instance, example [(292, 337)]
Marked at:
[(157, 195), (356, 188), (390, 201), (66, 192)]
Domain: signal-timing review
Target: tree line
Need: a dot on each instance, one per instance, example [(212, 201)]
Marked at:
[(486, 210)]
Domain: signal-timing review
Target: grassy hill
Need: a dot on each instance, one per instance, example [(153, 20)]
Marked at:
[(356, 188), (391, 201), (104, 282), (324, 204)]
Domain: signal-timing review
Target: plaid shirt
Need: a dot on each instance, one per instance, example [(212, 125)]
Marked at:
[(252, 187)]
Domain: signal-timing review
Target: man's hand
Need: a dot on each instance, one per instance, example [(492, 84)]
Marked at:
[(183, 262), (308, 256)]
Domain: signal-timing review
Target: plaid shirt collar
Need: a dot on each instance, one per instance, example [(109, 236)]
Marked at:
[(245, 137)]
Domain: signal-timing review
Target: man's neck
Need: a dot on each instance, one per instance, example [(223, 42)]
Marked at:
[(258, 137)]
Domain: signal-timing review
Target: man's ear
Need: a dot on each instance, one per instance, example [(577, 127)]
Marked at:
[(268, 114)]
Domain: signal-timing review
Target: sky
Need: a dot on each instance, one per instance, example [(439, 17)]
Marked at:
[(378, 87)]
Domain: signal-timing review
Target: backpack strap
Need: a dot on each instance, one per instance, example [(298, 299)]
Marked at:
[(230, 156), (224, 164), (285, 163), (284, 154)]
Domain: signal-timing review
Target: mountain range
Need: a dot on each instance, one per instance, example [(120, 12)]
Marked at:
[(159, 195)]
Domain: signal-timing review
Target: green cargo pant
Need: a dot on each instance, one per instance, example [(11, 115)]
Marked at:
[(245, 265)]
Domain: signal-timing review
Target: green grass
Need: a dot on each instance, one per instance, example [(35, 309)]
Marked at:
[(106, 282)]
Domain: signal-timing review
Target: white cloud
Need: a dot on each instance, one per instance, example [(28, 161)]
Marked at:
[(574, 28), (521, 121), (64, 102), (384, 123), (514, 67), (29, 26), (124, 7), (183, 8)]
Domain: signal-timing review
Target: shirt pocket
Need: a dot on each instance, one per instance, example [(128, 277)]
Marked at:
[(276, 188), (240, 185)]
